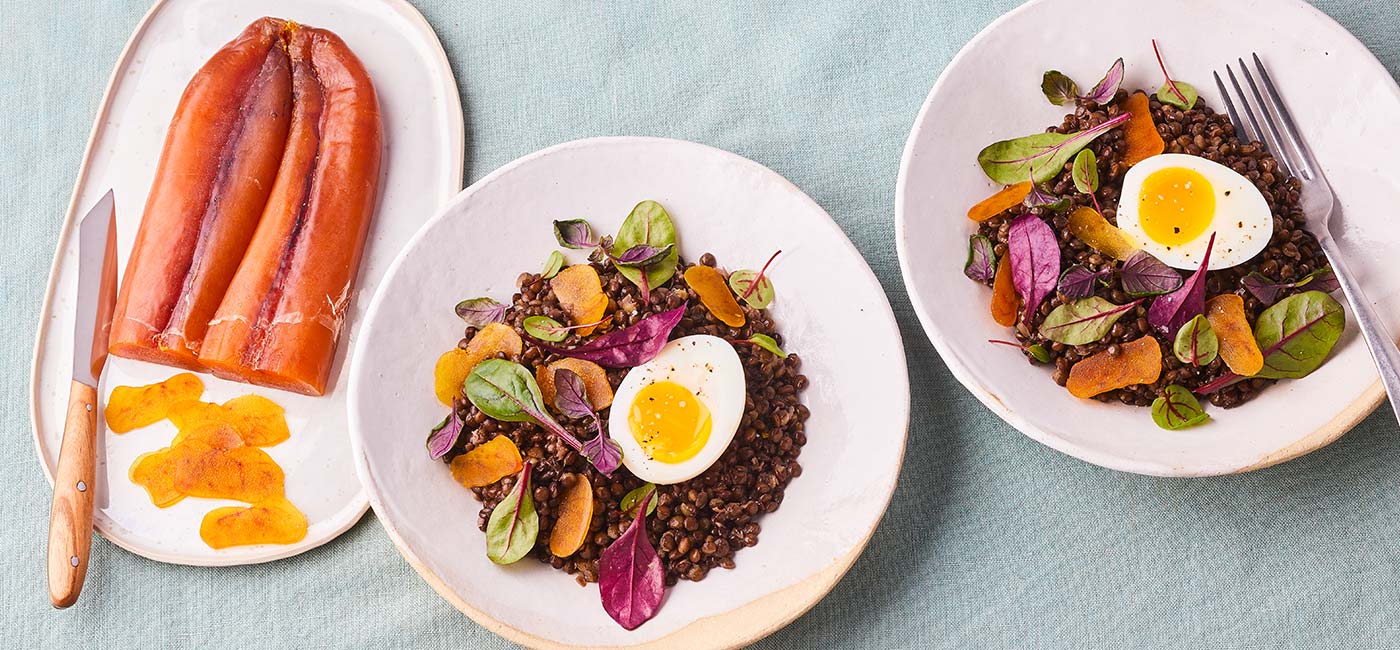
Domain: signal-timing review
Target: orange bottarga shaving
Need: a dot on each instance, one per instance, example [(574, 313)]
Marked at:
[(260, 421), (275, 521), (1137, 362), (714, 292), (595, 381), (573, 519), (579, 291), (135, 407), (454, 365), (1238, 349), (1005, 303), (1009, 197), (1140, 134), (245, 474), (489, 462), (1091, 228), (153, 471)]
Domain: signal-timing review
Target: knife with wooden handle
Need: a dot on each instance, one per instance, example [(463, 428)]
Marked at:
[(70, 520)]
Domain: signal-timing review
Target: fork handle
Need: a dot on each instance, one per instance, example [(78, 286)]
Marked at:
[(70, 520), (1373, 329)]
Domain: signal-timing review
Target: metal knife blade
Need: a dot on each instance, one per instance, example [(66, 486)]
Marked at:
[(93, 246)]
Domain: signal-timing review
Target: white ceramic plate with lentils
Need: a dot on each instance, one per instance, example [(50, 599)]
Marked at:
[(991, 91), (829, 308)]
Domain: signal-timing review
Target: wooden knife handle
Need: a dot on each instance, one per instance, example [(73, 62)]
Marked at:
[(70, 520)]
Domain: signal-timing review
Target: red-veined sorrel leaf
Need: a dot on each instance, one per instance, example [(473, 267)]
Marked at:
[(631, 579), (1177, 93), (1298, 333), (630, 346), (1009, 162), (1035, 260), (514, 525), (1169, 312), (1196, 342), (1083, 321), (754, 287), (1177, 409)]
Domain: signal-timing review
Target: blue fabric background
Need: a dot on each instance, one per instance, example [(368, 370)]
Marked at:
[(992, 539)]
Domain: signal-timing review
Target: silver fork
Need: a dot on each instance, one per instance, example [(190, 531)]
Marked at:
[(1281, 137)]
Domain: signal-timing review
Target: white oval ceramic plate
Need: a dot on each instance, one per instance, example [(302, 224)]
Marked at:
[(830, 309), (423, 168), (991, 91)]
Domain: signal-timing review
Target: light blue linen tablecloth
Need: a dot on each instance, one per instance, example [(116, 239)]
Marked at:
[(992, 540)]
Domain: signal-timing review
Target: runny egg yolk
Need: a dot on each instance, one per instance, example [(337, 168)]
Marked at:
[(1176, 205), (670, 423)]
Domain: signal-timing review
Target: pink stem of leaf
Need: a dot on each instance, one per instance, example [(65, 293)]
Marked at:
[(758, 279), (1170, 84)]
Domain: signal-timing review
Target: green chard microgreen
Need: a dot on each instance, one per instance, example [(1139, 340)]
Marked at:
[(506, 391), (1298, 333), (1010, 161), (754, 287), (631, 499), (648, 225), (1085, 173), (480, 312), (1196, 342), (545, 328), (514, 525), (552, 265), (1036, 351), (1177, 409), (766, 342), (1061, 90), (1176, 93), (1083, 321)]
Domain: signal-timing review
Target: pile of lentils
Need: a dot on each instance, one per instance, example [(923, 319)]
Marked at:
[(698, 524), (1292, 253)]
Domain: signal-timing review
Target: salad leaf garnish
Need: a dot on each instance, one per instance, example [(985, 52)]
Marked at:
[(753, 287), (1298, 333), (446, 434), (630, 346), (981, 262), (768, 343), (1059, 88), (1267, 291), (506, 391), (1034, 252), (1085, 173), (1083, 321), (631, 579), (630, 500), (1177, 409), (1144, 275), (1035, 350), (545, 328), (1169, 312), (480, 312), (1078, 281), (1104, 91), (1039, 198), (647, 224), (1010, 161), (1196, 342), (514, 525), (575, 234), (552, 265), (1176, 93), (571, 400), (643, 255)]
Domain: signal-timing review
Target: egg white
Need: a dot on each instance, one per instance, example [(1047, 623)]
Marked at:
[(710, 368), (1242, 223)]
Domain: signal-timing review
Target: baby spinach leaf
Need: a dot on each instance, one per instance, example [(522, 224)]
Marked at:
[(647, 224), (1177, 409), (1078, 281), (1010, 161), (1267, 291), (480, 312), (1169, 312), (1083, 321), (1034, 251), (752, 287), (981, 262), (1085, 172), (514, 525), (1058, 88), (768, 343), (1104, 91), (1298, 333), (1175, 93), (1196, 342), (630, 346), (446, 434), (552, 265), (575, 234), (1145, 275), (631, 580), (631, 499)]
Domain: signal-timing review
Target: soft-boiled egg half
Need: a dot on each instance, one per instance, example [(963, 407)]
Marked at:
[(675, 415), (1172, 204)]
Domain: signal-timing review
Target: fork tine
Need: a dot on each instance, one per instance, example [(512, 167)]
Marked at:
[(1306, 163), (1254, 133), (1229, 106), (1275, 141)]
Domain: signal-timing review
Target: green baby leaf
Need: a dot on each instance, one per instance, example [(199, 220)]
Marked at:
[(1177, 409), (754, 287), (768, 343), (1086, 172), (648, 224), (552, 265), (1058, 88), (545, 328), (480, 312), (631, 499), (1196, 342), (1011, 161), (505, 391), (1167, 94), (1298, 333), (1083, 321), (514, 525)]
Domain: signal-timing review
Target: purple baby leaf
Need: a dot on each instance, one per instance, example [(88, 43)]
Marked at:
[(981, 259), (575, 233), (643, 255), (605, 454), (445, 436), (631, 580), (480, 312), (1144, 275), (1323, 280), (1268, 291), (569, 395), (1169, 312), (1106, 88), (1035, 260), (630, 346), (1058, 87), (1078, 281)]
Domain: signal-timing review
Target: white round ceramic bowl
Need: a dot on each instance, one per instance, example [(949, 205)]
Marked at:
[(991, 91), (829, 307)]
